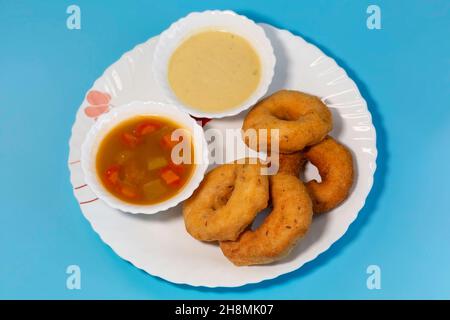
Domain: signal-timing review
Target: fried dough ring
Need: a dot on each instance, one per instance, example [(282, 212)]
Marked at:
[(302, 119), (335, 164), (283, 227), (227, 201)]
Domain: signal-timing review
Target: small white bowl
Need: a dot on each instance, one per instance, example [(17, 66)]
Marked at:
[(108, 121), (195, 22)]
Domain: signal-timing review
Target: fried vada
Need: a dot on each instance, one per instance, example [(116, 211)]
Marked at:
[(288, 221), (227, 201), (335, 165), (302, 120)]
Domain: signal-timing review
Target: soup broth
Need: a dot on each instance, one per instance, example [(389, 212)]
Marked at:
[(134, 161)]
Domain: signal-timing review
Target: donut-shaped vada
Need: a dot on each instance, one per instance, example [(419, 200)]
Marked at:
[(288, 221), (302, 120), (227, 201), (335, 165), (291, 163)]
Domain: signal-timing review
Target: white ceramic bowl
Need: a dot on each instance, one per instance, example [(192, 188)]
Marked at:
[(117, 115), (216, 20)]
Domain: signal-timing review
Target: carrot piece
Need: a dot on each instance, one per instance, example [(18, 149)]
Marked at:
[(128, 191), (130, 140), (176, 184), (114, 178), (146, 128), (177, 168), (112, 174), (167, 142), (169, 176)]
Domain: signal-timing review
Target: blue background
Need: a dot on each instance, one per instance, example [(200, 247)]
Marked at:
[(403, 71)]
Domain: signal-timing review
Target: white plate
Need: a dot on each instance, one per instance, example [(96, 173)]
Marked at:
[(159, 243)]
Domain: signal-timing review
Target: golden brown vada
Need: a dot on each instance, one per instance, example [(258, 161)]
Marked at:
[(288, 222), (227, 201), (302, 120), (291, 163), (335, 165)]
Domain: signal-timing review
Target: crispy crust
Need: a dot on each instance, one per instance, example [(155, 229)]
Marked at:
[(302, 120), (335, 164), (226, 202), (283, 227), (291, 163)]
